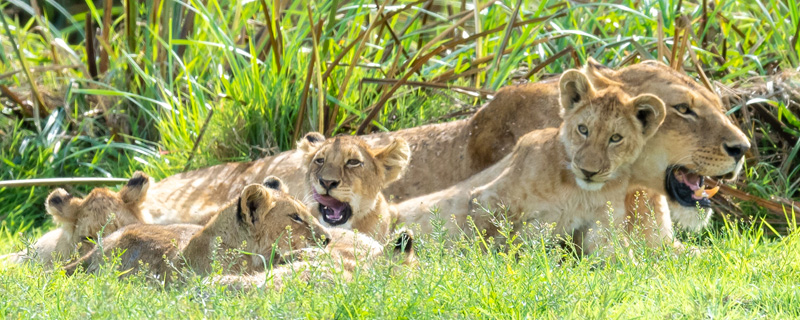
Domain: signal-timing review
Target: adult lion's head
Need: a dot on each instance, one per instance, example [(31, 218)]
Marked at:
[(696, 139)]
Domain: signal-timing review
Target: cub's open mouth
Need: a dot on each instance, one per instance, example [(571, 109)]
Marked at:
[(687, 187), (334, 212)]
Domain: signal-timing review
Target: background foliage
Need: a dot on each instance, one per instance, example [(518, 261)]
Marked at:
[(169, 85)]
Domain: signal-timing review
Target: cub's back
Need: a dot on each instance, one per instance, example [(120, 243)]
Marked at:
[(148, 244)]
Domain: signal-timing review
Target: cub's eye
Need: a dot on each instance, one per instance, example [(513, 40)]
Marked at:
[(615, 138), (683, 108), (583, 130), (319, 160), (296, 218), (354, 163)]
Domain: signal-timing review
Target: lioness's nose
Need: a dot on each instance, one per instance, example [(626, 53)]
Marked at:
[(328, 184), (588, 174), (736, 151)]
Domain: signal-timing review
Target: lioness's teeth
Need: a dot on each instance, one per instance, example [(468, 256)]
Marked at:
[(706, 193), (711, 192)]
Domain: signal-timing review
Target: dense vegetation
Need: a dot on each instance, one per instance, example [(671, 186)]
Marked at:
[(166, 86)]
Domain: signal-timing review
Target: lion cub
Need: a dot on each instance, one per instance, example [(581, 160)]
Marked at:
[(82, 219), (347, 251), (265, 221), (346, 176), (563, 176)]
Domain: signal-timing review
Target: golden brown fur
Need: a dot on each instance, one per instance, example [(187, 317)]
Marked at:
[(696, 142), (264, 221), (81, 219), (348, 172), (348, 252), (562, 176), (447, 153)]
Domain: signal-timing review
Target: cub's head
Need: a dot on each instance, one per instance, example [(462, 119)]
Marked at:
[(346, 175), (696, 139), (84, 218), (605, 129), (270, 216)]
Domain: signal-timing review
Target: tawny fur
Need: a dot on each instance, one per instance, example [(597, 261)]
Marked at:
[(259, 222), (348, 252), (447, 153), (564, 176), (360, 172), (81, 219)]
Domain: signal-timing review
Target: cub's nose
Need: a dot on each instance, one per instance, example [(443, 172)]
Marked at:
[(588, 174), (326, 240), (736, 151), (328, 184)]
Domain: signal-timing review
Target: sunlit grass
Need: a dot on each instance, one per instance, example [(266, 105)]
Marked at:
[(165, 76), (738, 274)]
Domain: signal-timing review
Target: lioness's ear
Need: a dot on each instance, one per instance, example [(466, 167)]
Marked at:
[(650, 111), (574, 87), (254, 197), (58, 205), (402, 245), (275, 183), (599, 75), (135, 190), (394, 158), (310, 142)]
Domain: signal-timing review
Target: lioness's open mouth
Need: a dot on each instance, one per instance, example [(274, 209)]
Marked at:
[(334, 212), (688, 187)]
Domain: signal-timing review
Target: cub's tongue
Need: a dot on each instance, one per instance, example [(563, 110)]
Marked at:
[(330, 202)]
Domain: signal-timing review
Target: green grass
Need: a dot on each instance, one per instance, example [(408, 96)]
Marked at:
[(165, 74), (739, 275)]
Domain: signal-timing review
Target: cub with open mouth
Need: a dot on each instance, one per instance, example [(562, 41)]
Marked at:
[(346, 177)]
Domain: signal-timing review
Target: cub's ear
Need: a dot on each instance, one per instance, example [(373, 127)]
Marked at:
[(58, 205), (135, 190), (394, 158), (402, 245), (310, 142), (574, 88), (254, 197), (275, 183), (650, 111)]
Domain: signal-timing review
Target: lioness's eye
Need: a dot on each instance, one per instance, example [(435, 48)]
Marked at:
[(353, 163), (296, 218), (683, 108), (583, 130), (319, 160), (615, 138)]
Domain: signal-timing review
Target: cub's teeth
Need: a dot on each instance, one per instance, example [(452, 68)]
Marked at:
[(711, 192), (699, 193)]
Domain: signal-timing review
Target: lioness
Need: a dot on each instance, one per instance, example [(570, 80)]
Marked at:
[(345, 177), (264, 221), (697, 139), (347, 252), (82, 219), (564, 176)]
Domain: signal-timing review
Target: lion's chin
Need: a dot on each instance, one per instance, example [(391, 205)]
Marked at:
[(589, 185)]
